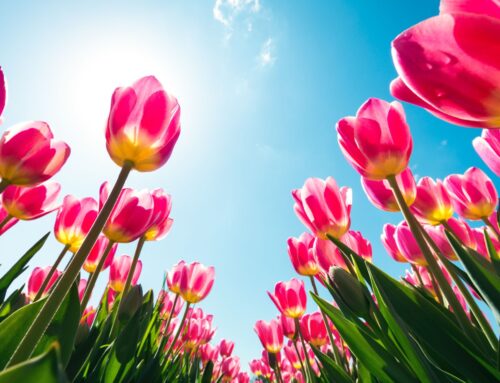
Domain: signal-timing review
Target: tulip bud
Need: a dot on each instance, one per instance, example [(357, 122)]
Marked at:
[(130, 303), (352, 292)]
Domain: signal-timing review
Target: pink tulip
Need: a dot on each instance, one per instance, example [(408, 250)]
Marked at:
[(97, 252), (29, 155), (313, 329), (36, 279), (160, 221), (27, 203), (3, 92), (119, 270), (355, 241), (292, 356), (196, 332), (488, 148), (6, 221), (408, 245), (300, 251), (380, 193), (230, 368), (259, 368), (270, 335), (226, 348), (131, 203), (463, 232), (88, 315), (443, 69), (174, 277), (437, 233), (168, 304), (243, 378), (196, 281), (290, 298), (288, 326), (481, 248), (74, 220), (433, 203), (207, 353), (412, 278), (324, 208), (82, 285), (143, 125), (388, 239), (473, 194), (377, 142)]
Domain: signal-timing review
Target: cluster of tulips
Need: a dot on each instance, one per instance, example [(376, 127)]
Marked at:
[(50, 333), (428, 326)]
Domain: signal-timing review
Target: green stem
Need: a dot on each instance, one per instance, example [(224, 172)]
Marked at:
[(309, 376), (131, 271), (277, 371), (56, 297), (169, 320), (51, 272), (302, 368), (336, 352), (5, 221), (93, 276), (434, 268), (181, 324)]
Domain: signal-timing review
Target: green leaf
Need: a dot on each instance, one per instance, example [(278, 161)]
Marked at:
[(207, 374), (382, 364), (487, 282), (62, 328), (492, 252), (45, 368), (20, 266), (435, 331), (333, 372), (15, 301)]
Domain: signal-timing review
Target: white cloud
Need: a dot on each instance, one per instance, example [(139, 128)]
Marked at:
[(267, 55), (226, 11)]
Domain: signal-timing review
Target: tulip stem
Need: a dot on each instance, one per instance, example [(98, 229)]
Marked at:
[(62, 288), (178, 332), (51, 272), (302, 341), (433, 265), (336, 352), (131, 271), (169, 320), (5, 221), (302, 368), (3, 185), (487, 223), (93, 276)]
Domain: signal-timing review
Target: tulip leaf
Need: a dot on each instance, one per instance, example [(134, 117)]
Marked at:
[(20, 266), (62, 328), (333, 372), (368, 350), (492, 252), (432, 328), (207, 374), (487, 282), (45, 368), (15, 301)]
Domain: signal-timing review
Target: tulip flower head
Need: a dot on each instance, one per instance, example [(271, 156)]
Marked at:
[(313, 329), (488, 148), (226, 348), (29, 155), (433, 203), (36, 280), (300, 251), (74, 220), (443, 69), (143, 125), (388, 239), (131, 203), (207, 353), (380, 194), (408, 246), (119, 270), (288, 326), (290, 298), (27, 203), (270, 335), (6, 221), (473, 194), (230, 368), (196, 281), (243, 378), (291, 354), (160, 221), (377, 142), (88, 315), (323, 207), (168, 308), (82, 285), (97, 252)]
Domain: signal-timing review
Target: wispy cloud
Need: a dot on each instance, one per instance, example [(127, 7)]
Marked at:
[(267, 55), (228, 11)]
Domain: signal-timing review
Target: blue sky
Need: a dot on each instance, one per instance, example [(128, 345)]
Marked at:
[(261, 85)]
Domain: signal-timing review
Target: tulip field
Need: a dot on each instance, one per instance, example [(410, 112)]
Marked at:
[(437, 323)]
